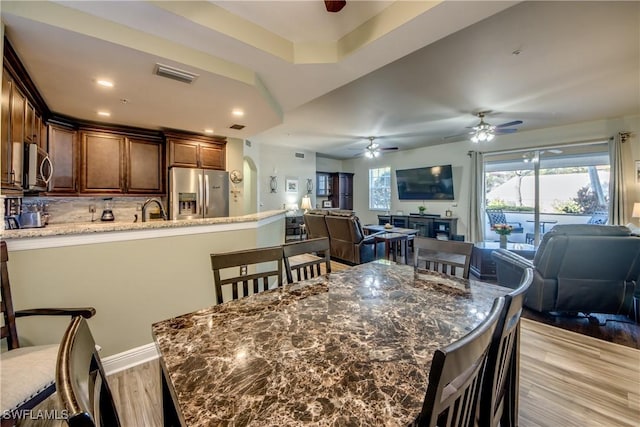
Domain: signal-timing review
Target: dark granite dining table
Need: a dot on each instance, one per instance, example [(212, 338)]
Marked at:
[(350, 348)]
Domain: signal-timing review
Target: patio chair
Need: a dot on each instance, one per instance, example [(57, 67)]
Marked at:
[(497, 216)]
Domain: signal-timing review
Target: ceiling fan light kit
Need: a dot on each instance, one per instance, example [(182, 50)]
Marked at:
[(372, 150), (483, 131)]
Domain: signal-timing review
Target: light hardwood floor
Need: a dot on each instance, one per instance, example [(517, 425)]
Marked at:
[(566, 379)]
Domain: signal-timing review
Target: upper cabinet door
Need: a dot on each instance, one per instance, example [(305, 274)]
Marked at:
[(101, 163), (63, 146), (5, 141), (144, 167), (183, 153), (212, 156), (18, 102), (29, 123)]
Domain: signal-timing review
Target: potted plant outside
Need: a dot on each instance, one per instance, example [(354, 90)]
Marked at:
[(421, 209)]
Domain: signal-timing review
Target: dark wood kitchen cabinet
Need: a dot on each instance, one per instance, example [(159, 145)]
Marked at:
[(115, 163), (29, 123), (342, 190), (196, 151), (5, 142), (63, 150), (13, 120), (102, 162), (144, 166)]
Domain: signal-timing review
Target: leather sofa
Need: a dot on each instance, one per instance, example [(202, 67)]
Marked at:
[(578, 268), (346, 237)]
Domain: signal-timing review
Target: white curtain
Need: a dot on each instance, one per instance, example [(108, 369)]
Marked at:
[(476, 198), (617, 190)]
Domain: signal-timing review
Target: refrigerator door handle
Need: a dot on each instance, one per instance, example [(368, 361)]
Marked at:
[(200, 194), (206, 194)]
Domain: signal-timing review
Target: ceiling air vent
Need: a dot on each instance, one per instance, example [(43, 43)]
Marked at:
[(300, 155), (175, 73), (236, 127)]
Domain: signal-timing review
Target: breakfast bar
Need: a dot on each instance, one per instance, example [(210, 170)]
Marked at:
[(350, 348)]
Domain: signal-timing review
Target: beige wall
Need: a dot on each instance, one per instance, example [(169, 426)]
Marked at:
[(456, 155), (131, 284)]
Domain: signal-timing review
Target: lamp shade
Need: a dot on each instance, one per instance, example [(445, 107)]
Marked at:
[(636, 211), (306, 203)]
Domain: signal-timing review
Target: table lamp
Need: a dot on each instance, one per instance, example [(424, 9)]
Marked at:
[(636, 211), (306, 203)]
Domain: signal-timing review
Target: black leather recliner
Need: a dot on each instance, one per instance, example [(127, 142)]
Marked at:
[(346, 237), (578, 268)]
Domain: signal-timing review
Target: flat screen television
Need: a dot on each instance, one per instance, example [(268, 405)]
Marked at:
[(428, 183)]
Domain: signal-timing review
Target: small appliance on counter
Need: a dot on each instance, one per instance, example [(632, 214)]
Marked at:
[(26, 215), (107, 211), (31, 220)]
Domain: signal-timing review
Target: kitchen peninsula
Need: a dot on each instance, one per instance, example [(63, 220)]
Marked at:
[(134, 274)]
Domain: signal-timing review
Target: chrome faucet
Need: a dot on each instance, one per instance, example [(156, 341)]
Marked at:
[(146, 204)]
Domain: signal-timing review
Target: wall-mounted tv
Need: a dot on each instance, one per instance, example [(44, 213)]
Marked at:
[(428, 183)]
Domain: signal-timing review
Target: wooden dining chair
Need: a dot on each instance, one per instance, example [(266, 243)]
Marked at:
[(81, 382), (500, 386), (304, 259), (258, 258), (446, 256), (455, 376), (27, 373)]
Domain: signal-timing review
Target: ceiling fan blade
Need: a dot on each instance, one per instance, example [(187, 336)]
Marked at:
[(334, 5), (460, 135), (513, 123), (500, 131), (388, 148)]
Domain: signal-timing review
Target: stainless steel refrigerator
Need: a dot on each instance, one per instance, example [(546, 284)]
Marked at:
[(198, 193)]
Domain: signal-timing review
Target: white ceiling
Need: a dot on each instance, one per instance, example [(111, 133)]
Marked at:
[(408, 73)]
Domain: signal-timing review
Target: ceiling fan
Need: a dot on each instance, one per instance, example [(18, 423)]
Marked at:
[(373, 150), (484, 131), (334, 5)]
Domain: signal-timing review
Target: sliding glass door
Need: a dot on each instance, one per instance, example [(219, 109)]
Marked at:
[(542, 187)]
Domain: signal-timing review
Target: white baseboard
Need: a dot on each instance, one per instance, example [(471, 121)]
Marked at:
[(129, 359)]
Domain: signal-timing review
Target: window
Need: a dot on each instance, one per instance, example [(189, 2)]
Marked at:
[(380, 189), (546, 186)]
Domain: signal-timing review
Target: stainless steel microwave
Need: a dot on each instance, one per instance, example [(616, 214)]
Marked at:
[(38, 168)]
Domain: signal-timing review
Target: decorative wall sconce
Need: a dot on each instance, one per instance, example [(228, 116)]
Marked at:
[(309, 185), (273, 184)]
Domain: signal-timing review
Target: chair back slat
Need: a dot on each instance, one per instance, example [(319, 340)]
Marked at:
[(446, 256), (499, 402), (455, 377), (9, 330), (243, 259), (81, 381), (303, 260)]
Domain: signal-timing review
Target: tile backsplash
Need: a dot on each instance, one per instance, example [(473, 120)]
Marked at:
[(64, 210)]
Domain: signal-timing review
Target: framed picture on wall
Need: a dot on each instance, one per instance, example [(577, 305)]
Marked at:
[(292, 185), (637, 171), (326, 204)]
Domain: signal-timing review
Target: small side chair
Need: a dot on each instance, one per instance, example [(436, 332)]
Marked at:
[(81, 380), (27, 373), (303, 260), (261, 258)]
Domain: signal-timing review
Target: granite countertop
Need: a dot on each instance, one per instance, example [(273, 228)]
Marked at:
[(103, 227), (350, 348)]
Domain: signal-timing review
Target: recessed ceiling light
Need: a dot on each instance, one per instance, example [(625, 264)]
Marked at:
[(104, 113), (208, 131), (105, 83), (237, 112)]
